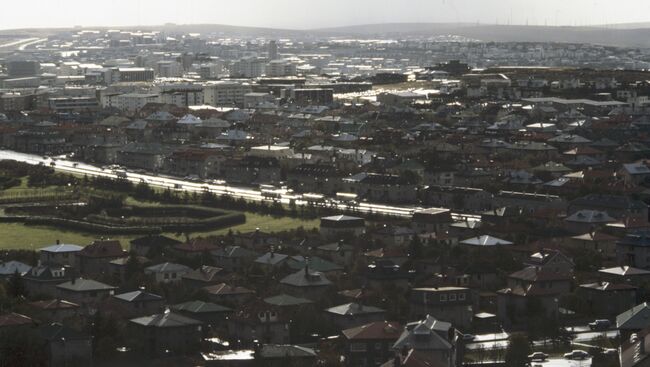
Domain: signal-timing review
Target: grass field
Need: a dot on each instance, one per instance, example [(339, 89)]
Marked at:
[(19, 236)]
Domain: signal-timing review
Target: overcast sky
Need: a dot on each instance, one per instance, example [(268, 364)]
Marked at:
[(304, 14)]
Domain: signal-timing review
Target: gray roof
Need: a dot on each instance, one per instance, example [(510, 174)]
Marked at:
[(138, 296), (284, 351), (11, 267), (165, 320), (271, 258), (62, 248), (485, 240), (85, 285), (351, 309), (167, 268), (636, 318), (425, 335), (590, 216), (306, 278)]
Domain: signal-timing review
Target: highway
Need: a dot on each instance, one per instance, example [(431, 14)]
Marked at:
[(285, 197)]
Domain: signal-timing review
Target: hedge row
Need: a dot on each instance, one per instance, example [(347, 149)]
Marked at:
[(80, 225)]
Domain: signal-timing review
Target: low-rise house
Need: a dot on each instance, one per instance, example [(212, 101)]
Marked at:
[(431, 220), (59, 254), (552, 260), (458, 198), (452, 304), (94, 259), (271, 261), (371, 344), (233, 258), (54, 310), (211, 314), (202, 276), (634, 250), (625, 274), (42, 279), (13, 322), (138, 303), (9, 268), (225, 294), (617, 206), (167, 272), (635, 352), (484, 242), (288, 301), (437, 339), (381, 187), (306, 283), (635, 173), (338, 252), (65, 346), (596, 241), (85, 292), (152, 244), (587, 220), (393, 236), (341, 225), (194, 248), (165, 333), (606, 300), (260, 321), (633, 320), (354, 314), (529, 290)]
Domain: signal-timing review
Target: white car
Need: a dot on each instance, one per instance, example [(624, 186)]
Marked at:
[(468, 337), (610, 352), (576, 354)]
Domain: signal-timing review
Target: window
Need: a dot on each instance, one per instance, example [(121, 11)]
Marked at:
[(166, 276), (452, 297), (461, 296), (377, 346), (358, 347), (443, 298)]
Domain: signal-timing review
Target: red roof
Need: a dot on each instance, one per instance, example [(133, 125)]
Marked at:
[(14, 319), (384, 330), (100, 249)]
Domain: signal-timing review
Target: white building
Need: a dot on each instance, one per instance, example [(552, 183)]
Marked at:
[(225, 93)]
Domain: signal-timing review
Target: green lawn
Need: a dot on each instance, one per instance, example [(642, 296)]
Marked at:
[(19, 236)]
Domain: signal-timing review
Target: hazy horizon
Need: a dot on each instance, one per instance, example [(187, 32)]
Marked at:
[(300, 15)]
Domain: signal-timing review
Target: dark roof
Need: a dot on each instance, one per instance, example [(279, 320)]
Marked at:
[(138, 296), (100, 249), (286, 300), (199, 307), (14, 319), (154, 240)]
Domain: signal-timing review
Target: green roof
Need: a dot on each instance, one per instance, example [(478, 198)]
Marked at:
[(286, 300)]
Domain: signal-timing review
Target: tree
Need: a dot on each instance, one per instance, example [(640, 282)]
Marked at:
[(517, 351), (16, 285)]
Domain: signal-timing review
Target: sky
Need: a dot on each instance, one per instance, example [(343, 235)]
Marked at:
[(309, 14)]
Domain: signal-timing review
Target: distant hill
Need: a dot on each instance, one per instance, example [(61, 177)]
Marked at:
[(630, 35), (619, 36)]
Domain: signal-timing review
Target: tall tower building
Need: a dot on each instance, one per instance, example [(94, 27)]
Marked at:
[(273, 50)]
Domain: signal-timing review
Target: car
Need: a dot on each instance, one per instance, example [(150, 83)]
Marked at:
[(600, 324), (610, 352), (538, 356), (576, 354), (468, 337)]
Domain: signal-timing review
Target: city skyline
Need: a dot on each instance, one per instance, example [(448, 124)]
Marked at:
[(292, 14)]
